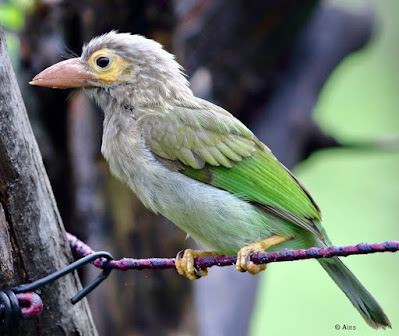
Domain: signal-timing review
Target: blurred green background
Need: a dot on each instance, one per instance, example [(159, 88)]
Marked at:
[(358, 193)]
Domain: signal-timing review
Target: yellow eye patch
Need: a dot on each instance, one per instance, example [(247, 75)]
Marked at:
[(108, 66)]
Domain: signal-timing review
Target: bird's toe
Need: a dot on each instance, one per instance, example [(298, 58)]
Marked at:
[(185, 264), (244, 262)]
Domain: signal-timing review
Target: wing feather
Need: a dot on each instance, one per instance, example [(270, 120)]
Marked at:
[(216, 148)]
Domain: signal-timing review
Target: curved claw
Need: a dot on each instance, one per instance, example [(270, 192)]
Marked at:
[(199, 271), (185, 264), (247, 257), (244, 262), (179, 254)]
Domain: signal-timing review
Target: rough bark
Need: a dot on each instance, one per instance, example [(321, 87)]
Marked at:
[(96, 207), (33, 242)]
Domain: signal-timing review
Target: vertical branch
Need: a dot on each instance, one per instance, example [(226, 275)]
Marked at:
[(32, 235)]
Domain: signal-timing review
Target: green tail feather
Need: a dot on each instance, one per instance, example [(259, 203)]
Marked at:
[(363, 301)]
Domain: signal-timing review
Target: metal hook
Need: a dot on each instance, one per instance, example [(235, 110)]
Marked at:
[(7, 309), (70, 268), (11, 311), (91, 286)]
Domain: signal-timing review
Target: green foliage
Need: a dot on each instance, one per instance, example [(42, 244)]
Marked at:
[(11, 16), (12, 19), (12, 13)]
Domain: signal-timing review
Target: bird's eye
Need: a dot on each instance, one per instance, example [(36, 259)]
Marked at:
[(103, 62)]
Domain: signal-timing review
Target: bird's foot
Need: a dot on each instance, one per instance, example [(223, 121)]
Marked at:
[(244, 262), (185, 263)]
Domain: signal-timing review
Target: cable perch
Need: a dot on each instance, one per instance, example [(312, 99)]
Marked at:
[(12, 312), (80, 249)]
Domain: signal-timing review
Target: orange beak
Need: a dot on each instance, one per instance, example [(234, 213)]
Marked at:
[(66, 74)]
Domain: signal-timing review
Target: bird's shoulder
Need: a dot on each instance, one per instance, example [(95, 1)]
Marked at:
[(197, 133), (207, 143)]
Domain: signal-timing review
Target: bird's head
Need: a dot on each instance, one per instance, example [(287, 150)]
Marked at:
[(129, 68)]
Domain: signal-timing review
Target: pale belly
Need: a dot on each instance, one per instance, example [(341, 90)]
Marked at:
[(214, 218)]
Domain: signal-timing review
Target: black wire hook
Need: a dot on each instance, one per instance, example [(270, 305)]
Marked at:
[(10, 311), (70, 268), (7, 312)]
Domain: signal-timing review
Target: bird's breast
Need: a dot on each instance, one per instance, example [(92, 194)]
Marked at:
[(215, 218)]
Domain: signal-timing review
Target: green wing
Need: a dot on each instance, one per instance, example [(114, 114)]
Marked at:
[(210, 145)]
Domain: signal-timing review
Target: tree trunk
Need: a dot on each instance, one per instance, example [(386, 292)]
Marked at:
[(32, 237), (94, 206)]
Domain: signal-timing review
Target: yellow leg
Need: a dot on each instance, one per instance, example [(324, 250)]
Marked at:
[(185, 263), (244, 262)]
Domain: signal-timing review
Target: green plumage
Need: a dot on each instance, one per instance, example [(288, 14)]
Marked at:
[(207, 144), (217, 149), (194, 162), (261, 179)]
